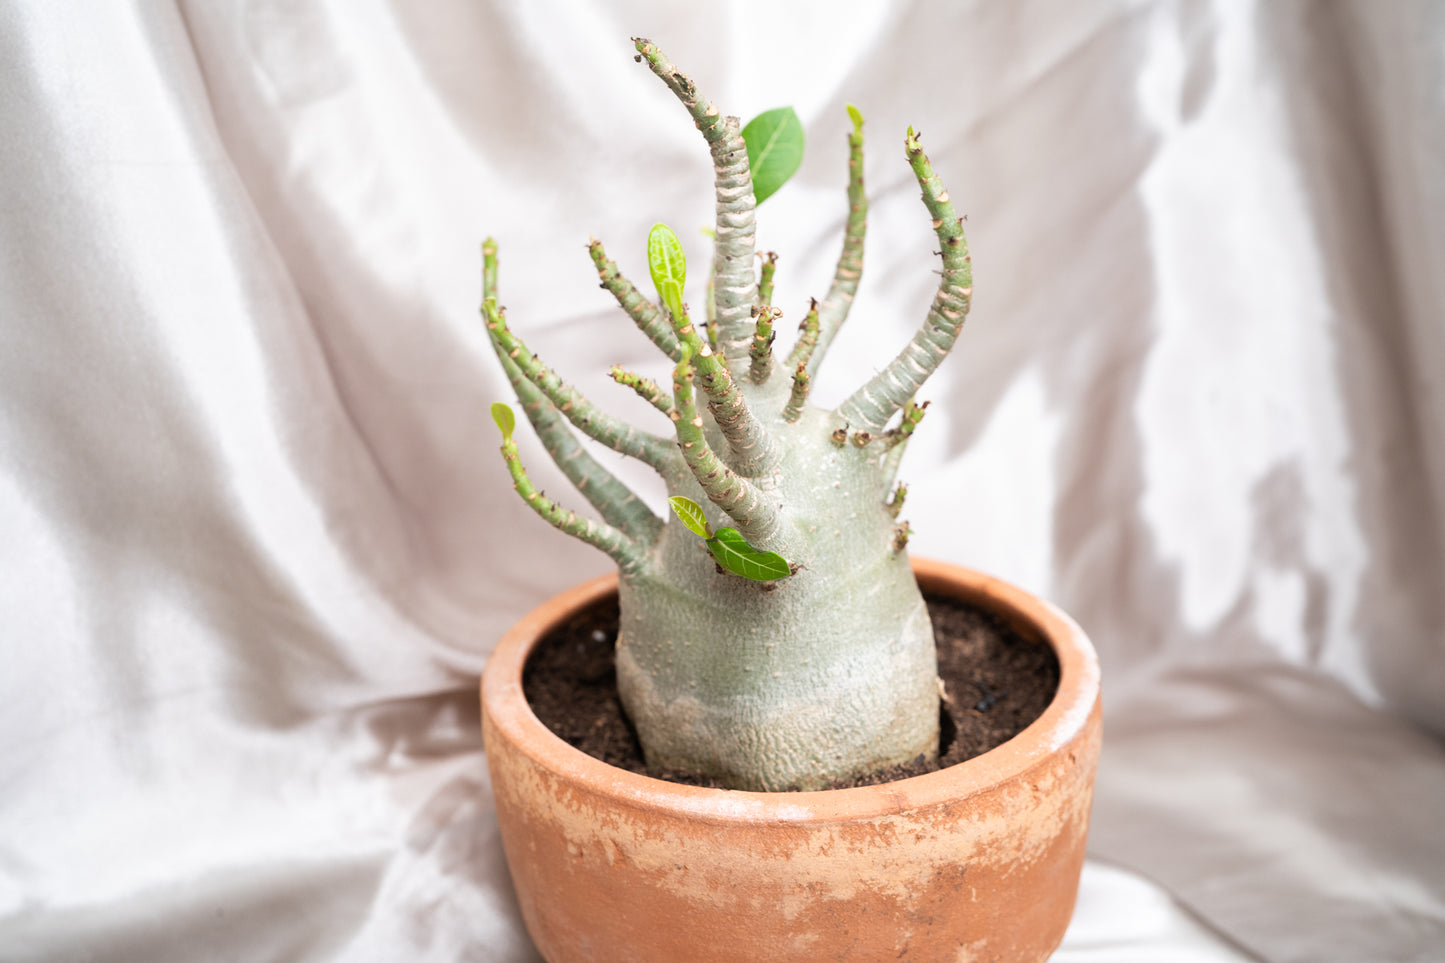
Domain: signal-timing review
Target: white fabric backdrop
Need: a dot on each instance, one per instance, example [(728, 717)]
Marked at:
[(256, 541)]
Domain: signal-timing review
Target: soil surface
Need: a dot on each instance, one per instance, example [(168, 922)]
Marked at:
[(997, 682)]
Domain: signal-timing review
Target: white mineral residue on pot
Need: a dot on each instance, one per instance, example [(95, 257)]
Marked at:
[(736, 805)]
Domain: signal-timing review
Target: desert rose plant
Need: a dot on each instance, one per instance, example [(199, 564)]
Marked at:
[(772, 634)]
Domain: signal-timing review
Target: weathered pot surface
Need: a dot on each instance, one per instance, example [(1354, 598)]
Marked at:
[(979, 861)]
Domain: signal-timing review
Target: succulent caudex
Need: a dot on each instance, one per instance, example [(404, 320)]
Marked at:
[(828, 670)]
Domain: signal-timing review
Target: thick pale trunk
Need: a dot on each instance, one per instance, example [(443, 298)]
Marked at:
[(821, 676)]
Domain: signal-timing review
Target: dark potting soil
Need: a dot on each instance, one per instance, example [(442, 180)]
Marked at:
[(997, 683)]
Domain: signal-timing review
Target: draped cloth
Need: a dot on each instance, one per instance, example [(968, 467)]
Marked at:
[(256, 540)]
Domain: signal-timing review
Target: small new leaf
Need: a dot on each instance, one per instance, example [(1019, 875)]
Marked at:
[(733, 553), (775, 149), (668, 263), (691, 514), (506, 421), (857, 118)]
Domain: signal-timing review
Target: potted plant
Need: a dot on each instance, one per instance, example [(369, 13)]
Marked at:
[(773, 637)]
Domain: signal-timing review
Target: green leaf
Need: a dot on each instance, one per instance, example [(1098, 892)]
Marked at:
[(775, 149), (502, 415), (857, 118), (733, 553), (668, 263), (691, 514)]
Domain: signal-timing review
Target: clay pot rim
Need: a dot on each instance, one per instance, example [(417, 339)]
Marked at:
[(1062, 723)]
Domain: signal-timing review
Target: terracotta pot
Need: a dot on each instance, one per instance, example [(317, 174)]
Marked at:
[(980, 861)]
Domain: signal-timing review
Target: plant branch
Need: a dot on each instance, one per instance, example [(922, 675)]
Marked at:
[(762, 349), (765, 282), (807, 341), (898, 439), (646, 388), (735, 283), (834, 309), (735, 495), (872, 405), (596, 424), (618, 504), (623, 550), (793, 410), (751, 448), (644, 313)]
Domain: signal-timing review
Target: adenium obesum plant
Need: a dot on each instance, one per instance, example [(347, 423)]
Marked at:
[(772, 634)]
